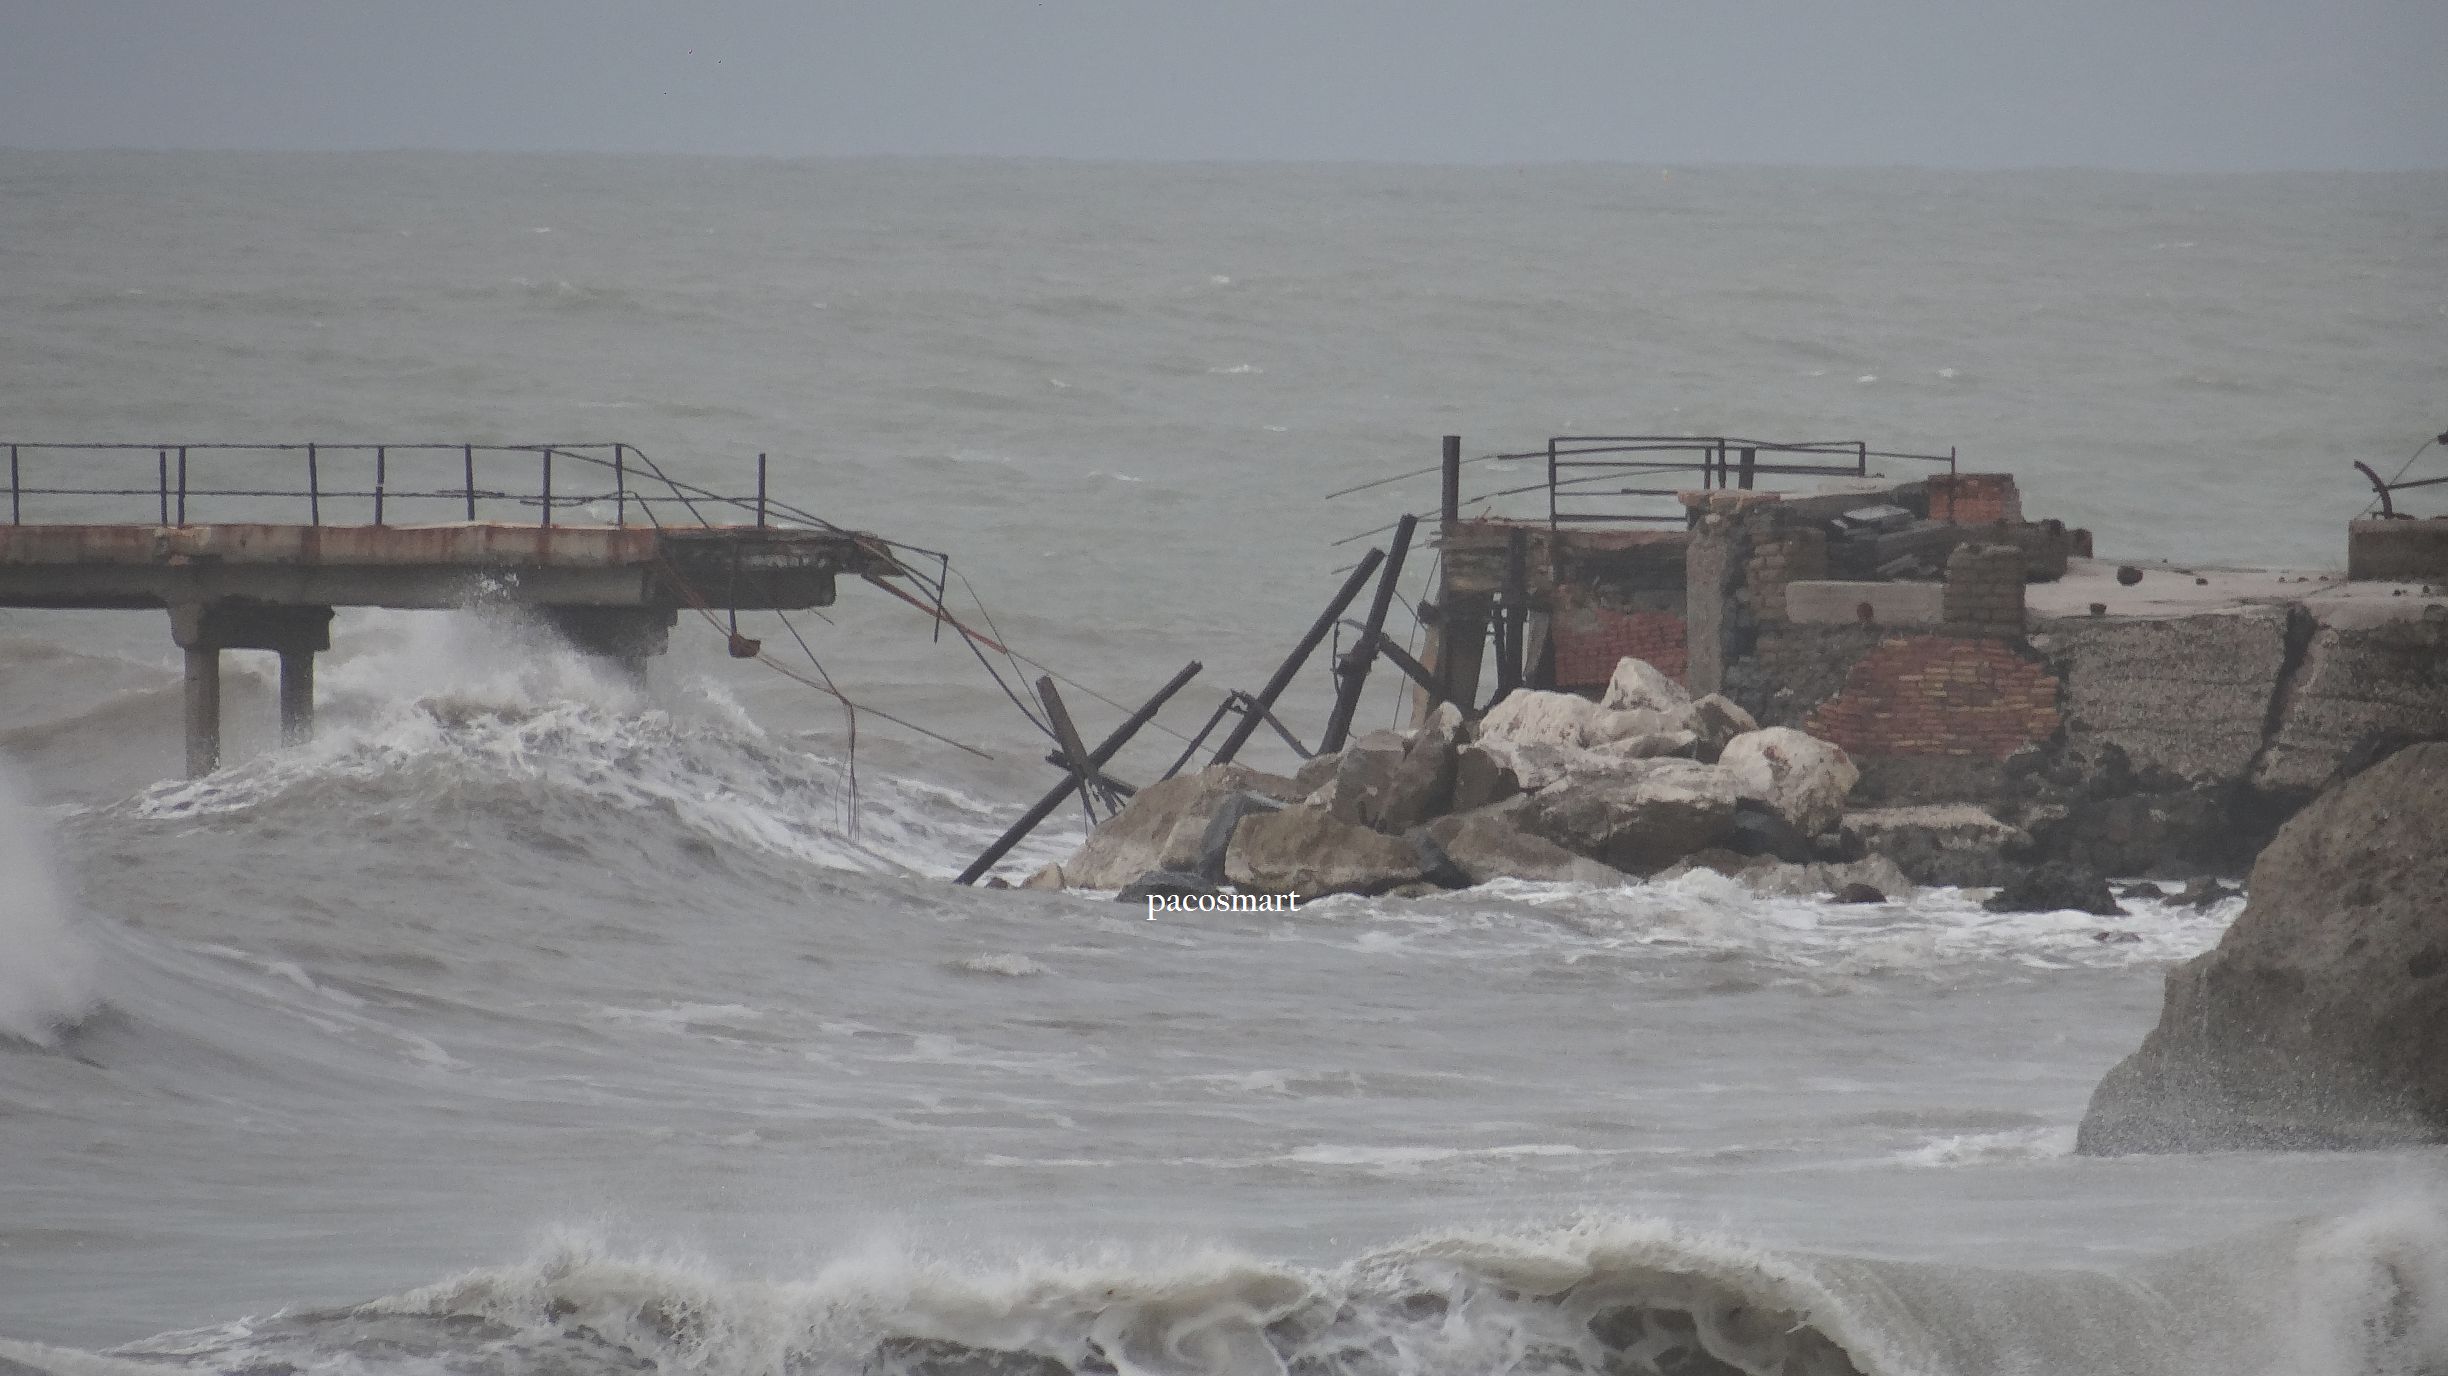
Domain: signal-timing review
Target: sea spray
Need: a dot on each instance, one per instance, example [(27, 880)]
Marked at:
[(46, 970)]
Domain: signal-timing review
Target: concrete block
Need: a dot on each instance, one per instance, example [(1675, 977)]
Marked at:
[(1831, 603)]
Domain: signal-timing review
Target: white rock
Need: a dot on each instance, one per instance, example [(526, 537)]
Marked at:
[(1805, 778), (1531, 717), (1638, 684)]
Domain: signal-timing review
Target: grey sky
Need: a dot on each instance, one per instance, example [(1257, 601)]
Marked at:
[(2152, 84)]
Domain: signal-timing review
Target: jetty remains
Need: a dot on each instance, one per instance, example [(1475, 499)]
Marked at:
[(594, 540), (1997, 698)]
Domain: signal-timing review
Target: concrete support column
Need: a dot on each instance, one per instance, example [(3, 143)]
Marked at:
[(205, 629), (203, 711), (297, 673)]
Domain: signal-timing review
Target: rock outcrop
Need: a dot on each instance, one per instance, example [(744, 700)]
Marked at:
[(1641, 817), (1548, 787), (1803, 777), (1308, 851), (1944, 843), (2321, 1018), (1164, 827)]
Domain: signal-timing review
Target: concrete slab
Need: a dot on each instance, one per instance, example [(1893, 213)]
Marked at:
[(2168, 591)]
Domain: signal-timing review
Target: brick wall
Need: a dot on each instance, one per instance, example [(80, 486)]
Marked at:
[(1974, 499), (1589, 640), (1984, 590), (1935, 695)]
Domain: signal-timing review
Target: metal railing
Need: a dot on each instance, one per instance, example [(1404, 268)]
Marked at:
[(380, 483), (1579, 466)]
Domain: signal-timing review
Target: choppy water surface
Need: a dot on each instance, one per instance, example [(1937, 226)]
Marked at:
[(534, 1020)]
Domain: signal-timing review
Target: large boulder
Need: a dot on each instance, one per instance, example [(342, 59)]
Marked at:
[(2055, 886), (1607, 725), (1529, 716), (1164, 826), (1308, 851), (1801, 776), (1364, 776), (1487, 846), (1942, 843), (1717, 720), (1423, 785), (2321, 1018), (1482, 776), (1640, 816), (1638, 685)]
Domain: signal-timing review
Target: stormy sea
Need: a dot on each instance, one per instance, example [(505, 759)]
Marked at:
[(532, 1018)]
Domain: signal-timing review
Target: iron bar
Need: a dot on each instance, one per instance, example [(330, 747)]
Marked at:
[(1105, 750), (16, 503), (1451, 505), (760, 510), (467, 455), (314, 489), (1510, 652), (162, 476), (620, 487), (1201, 738), (1265, 700), (382, 461), (182, 488), (1066, 735), (1353, 671), (548, 453)]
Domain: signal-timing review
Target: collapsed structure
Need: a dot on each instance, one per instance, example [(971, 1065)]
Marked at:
[(2006, 698)]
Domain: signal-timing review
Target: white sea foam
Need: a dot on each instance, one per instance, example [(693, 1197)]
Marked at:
[(47, 973)]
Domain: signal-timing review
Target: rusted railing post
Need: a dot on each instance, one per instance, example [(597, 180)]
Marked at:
[(16, 503), (1750, 465), (548, 485), (161, 476), (1511, 655), (314, 487), (760, 491), (620, 486), (1451, 503), (382, 464), (467, 458), (1264, 702), (1105, 750), (1353, 672), (182, 488)]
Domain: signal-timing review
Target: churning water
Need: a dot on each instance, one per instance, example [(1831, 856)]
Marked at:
[(534, 1020)]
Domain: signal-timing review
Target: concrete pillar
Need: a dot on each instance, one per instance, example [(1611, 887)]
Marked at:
[(203, 711), (297, 673), (205, 629)]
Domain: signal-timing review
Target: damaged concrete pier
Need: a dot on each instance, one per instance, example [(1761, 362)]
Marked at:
[(612, 590)]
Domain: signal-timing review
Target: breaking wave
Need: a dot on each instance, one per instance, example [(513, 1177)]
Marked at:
[(47, 981), (488, 713), (2366, 1294)]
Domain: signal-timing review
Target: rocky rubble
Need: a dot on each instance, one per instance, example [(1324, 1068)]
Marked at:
[(1546, 787)]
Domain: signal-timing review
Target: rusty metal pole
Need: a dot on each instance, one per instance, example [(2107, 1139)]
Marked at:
[(548, 485), (161, 465), (1510, 652), (382, 464), (16, 501), (1355, 667), (1264, 702), (1451, 504), (760, 492), (620, 485), (182, 491), (1750, 464), (1105, 750), (467, 459), (314, 488)]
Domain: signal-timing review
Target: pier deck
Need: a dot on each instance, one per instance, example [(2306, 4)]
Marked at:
[(613, 588)]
